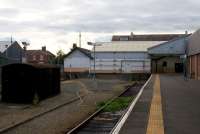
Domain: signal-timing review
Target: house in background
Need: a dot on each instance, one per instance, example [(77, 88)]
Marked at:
[(42, 56), (78, 60), (10, 52)]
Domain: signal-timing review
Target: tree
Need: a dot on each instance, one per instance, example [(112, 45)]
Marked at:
[(60, 57)]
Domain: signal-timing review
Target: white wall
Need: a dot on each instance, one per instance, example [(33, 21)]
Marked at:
[(136, 66), (125, 62), (77, 60), (121, 55)]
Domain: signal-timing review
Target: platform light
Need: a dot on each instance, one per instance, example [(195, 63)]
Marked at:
[(94, 48)]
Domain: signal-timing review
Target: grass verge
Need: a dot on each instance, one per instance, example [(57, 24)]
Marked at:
[(118, 104)]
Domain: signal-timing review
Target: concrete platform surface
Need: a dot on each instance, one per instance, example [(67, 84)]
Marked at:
[(180, 106), (138, 119), (181, 101)]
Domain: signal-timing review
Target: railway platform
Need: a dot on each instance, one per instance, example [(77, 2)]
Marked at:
[(169, 104)]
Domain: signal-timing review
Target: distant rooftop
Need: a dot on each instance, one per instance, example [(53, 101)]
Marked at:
[(32, 52), (4, 45), (83, 50), (146, 37)]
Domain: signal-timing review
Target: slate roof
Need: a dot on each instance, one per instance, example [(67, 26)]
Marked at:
[(173, 47), (8, 43), (167, 42), (83, 50), (3, 45)]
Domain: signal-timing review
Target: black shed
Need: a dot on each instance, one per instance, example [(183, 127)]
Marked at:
[(21, 82)]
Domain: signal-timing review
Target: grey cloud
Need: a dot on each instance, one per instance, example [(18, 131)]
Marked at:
[(107, 16), (9, 12)]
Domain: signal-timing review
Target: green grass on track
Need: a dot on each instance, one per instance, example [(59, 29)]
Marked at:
[(118, 104)]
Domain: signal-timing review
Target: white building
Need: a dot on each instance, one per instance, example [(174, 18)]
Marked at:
[(123, 57), (77, 61), (124, 54)]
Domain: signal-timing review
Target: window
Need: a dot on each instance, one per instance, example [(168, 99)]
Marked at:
[(34, 57), (123, 39), (41, 57)]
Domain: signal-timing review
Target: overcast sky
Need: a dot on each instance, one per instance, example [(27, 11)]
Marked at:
[(56, 23)]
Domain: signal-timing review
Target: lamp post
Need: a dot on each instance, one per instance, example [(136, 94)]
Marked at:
[(94, 52), (184, 59)]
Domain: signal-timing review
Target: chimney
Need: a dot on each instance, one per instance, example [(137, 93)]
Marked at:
[(186, 32), (24, 48), (44, 48), (11, 40), (74, 45), (132, 34)]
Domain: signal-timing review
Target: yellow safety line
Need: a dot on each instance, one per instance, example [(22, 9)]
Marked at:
[(155, 122)]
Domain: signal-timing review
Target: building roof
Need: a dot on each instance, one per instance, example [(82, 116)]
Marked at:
[(124, 46), (32, 52), (167, 42), (146, 37), (176, 46), (4, 45), (83, 50)]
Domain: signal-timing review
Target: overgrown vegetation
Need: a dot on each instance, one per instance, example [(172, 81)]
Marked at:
[(59, 57), (118, 104)]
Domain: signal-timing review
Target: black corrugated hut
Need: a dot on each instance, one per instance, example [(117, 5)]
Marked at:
[(21, 82)]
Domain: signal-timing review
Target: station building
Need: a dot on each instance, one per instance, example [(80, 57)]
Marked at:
[(126, 54), (194, 55), (123, 57), (168, 57)]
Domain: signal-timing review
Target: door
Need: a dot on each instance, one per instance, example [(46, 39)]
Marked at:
[(178, 67)]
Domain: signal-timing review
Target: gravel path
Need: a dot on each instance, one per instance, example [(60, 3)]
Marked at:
[(11, 114), (64, 118)]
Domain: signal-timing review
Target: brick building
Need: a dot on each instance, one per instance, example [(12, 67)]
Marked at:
[(194, 55), (42, 56)]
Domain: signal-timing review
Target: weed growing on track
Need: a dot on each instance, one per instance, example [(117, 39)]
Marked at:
[(118, 104)]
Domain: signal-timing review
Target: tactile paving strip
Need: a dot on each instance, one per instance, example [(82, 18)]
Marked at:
[(155, 122)]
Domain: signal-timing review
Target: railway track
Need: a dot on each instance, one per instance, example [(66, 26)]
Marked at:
[(9, 128), (103, 122), (99, 122)]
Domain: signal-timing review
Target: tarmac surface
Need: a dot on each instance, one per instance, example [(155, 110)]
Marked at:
[(180, 106)]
